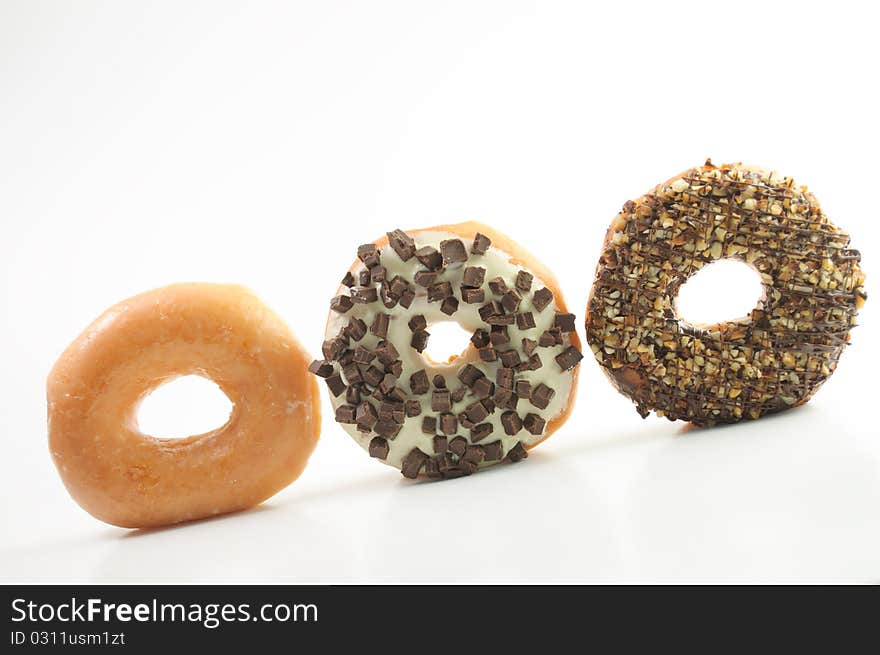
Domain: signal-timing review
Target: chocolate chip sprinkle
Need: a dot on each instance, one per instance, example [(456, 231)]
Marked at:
[(474, 454), (322, 368), (569, 358), (564, 321), (430, 258), (439, 291), (373, 375), (379, 326), (541, 396), (497, 285), (413, 463), (379, 448), (511, 423), (345, 414), (517, 453), (458, 446), (366, 415), (524, 280), (363, 355), (510, 358), (449, 305), (481, 431), (499, 335), (534, 362), (505, 398), (525, 321), (356, 329), (481, 244), (419, 340), (469, 375), (488, 354), (476, 412), (341, 304), (453, 251), (480, 338), (368, 253), (493, 451), (473, 276), (440, 401), (483, 388), (541, 298), (418, 382), (336, 385), (448, 423), (402, 244), (510, 301), (425, 278), (534, 424)]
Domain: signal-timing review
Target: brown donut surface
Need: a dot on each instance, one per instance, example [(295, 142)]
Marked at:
[(772, 359), (512, 386), (222, 332)]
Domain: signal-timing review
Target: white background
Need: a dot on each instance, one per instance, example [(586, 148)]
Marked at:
[(143, 143)]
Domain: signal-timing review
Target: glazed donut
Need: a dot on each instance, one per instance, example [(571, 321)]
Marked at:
[(772, 359), (510, 389), (221, 332)]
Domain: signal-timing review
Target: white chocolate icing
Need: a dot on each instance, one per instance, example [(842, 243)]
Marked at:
[(497, 264)]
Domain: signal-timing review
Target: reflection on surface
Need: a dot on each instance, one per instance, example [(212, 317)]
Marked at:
[(789, 497)]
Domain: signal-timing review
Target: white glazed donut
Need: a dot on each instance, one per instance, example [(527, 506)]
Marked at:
[(509, 390)]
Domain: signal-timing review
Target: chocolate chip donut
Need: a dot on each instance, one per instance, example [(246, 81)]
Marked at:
[(510, 389), (772, 359)]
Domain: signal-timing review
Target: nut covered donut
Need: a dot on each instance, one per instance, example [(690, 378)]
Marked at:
[(510, 389), (221, 332), (772, 359)]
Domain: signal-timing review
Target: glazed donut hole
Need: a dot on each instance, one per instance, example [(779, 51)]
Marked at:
[(183, 406)]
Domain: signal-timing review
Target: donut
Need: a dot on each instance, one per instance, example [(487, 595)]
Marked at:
[(221, 332), (512, 386), (774, 358)]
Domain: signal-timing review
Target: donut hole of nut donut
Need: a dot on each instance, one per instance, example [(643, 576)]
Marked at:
[(447, 342), (722, 291), (185, 406)]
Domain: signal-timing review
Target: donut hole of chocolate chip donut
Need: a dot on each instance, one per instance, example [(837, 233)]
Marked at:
[(182, 407), (448, 341), (725, 290)]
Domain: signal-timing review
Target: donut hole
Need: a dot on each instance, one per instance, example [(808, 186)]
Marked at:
[(185, 406), (447, 342), (722, 291)]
